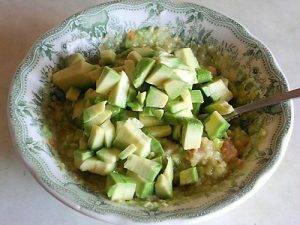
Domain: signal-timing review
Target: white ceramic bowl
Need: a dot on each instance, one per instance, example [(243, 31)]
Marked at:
[(83, 32)]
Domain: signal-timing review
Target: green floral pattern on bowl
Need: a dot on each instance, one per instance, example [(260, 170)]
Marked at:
[(83, 32)]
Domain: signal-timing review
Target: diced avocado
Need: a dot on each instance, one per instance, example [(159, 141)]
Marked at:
[(96, 139), (157, 113), (75, 75), (159, 75), (98, 120), (80, 156), (188, 176), (163, 185), (109, 133), (93, 111), (118, 94), (203, 75), (136, 122), (108, 155), (128, 134), (196, 96), (97, 166), (187, 76), (107, 57), (149, 121), (135, 56), (178, 118), (216, 126), (196, 108), (175, 88), (184, 114), (144, 188), (114, 109), (74, 58), (158, 159), (158, 131), (145, 51), (172, 62), (95, 74), (108, 79), (72, 94), (135, 106), (145, 168), (187, 98), (176, 132), (156, 146), (93, 97), (120, 187), (132, 95), (217, 90), (221, 107), (142, 70), (141, 97), (191, 135), (177, 106), (156, 98), (129, 66), (187, 56), (130, 149)]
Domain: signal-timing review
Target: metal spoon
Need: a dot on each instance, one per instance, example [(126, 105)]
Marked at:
[(273, 100)]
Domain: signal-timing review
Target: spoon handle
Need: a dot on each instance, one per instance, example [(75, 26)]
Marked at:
[(273, 100)]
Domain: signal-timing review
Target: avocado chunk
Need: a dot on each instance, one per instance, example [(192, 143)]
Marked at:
[(93, 111), (159, 75), (158, 131), (142, 70), (135, 106), (163, 185), (177, 106), (191, 135), (75, 58), (144, 188), (203, 75), (175, 88), (118, 95), (156, 98), (221, 107), (188, 176), (130, 149), (141, 97), (120, 187), (157, 113), (187, 56), (108, 155), (115, 110), (72, 94), (107, 57), (109, 133), (216, 126), (128, 134), (74, 76), (145, 168), (98, 120), (80, 156), (187, 98), (197, 96), (108, 79), (156, 147), (188, 76), (217, 90), (172, 62), (149, 121), (97, 166), (96, 139)]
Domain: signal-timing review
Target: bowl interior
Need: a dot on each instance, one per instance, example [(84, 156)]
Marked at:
[(195, 24)]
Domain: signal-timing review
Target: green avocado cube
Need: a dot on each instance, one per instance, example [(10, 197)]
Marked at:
[(108, 155), (93, 111), (144, 188), (97, 166), (80, 156), (216, 126), (192, 134), (187, 56), (142, 70), (203, 75), (96, 139), (197, 96), (159, 75), (221, 107), (158, 131), (130, 149), (118, 94), (217, 90), (188, 176), (156, 98), (107, 80), (175, 88)]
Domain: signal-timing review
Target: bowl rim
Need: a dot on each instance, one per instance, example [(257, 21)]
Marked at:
[(254, 185)]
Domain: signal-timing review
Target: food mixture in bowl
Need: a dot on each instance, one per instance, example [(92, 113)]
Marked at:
[(147, 121)]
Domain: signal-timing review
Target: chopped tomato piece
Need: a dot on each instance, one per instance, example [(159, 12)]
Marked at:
[(229, 152)]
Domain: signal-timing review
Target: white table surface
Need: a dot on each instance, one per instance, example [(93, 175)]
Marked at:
[(24, 202)]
